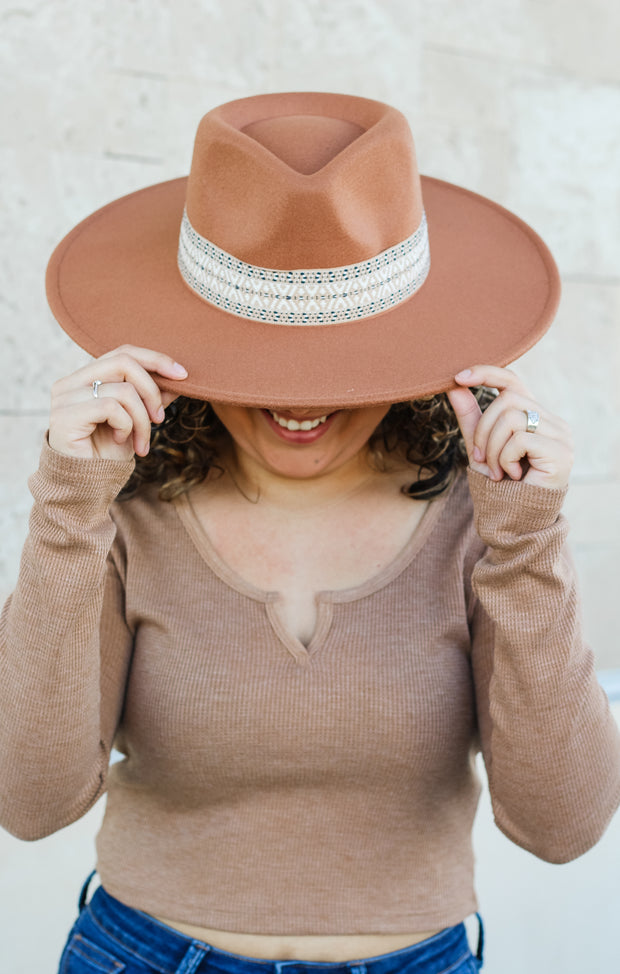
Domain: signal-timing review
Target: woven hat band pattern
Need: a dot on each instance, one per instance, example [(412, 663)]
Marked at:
[(316, 296)]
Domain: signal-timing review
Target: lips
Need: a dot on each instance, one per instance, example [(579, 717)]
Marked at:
[(298, 428)]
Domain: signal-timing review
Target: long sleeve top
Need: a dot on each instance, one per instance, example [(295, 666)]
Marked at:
[(266, 787)]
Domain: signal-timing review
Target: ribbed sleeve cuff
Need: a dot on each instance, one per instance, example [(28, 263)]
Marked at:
[(511, 508), (86, 485)]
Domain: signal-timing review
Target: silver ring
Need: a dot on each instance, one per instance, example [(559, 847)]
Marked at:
[(96, 385), (533, 419)]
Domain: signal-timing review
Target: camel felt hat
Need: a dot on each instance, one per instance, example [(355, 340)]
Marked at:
[(304, 261)]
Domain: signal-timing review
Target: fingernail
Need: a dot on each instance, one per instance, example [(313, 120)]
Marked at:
[(160, 415), (179, 369), (463, 375), (478, 454)]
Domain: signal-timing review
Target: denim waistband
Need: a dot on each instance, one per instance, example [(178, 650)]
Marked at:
[(168, 950)]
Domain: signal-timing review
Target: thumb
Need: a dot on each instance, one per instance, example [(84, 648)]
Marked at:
[(168, 397), (468, 413)]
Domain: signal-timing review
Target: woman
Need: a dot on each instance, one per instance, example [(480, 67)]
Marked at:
[(300, 620)]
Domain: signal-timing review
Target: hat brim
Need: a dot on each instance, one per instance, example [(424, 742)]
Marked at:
[(492, 292)]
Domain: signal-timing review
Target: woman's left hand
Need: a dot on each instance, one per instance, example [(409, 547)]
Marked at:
[(497, 441)]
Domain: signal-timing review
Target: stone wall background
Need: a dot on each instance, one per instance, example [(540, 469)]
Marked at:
[(516, 99)]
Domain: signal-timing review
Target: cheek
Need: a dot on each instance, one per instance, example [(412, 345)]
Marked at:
[(365, 424), (240, 422)]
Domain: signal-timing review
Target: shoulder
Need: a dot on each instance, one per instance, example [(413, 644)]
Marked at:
[(457, 502), (453, 538), (143, 518)]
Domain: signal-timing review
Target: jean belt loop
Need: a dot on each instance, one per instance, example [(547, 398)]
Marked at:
[(279, 965), (480, 939), (194, 956), (84, 892)]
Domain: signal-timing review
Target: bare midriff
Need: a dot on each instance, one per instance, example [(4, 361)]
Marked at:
[(336, 948)]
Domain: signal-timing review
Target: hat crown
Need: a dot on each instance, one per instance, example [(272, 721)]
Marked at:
[(304, 180), (306, 143)]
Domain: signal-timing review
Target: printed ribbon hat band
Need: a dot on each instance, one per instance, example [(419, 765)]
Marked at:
[(321, 296)]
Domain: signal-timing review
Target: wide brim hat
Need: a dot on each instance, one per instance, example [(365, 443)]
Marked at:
[(304, 261)]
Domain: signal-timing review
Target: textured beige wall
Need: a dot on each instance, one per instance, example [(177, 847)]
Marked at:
[(517, 99)]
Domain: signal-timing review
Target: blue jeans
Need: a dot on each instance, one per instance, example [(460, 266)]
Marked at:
[(110, 938)]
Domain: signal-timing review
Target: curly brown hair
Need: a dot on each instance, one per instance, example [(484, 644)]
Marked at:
[(190, 440)]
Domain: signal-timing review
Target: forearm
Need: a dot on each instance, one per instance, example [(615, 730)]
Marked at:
[(550, 744), (52, 761)]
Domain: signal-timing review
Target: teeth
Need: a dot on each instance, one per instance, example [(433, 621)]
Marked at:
[(294, 425)]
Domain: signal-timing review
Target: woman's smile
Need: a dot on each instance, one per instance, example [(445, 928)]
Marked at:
[(298, 428)]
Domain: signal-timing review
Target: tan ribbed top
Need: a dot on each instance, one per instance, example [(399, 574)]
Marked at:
[(266, 788)]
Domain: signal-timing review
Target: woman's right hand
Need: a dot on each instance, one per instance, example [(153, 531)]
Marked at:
[(116, 423)]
